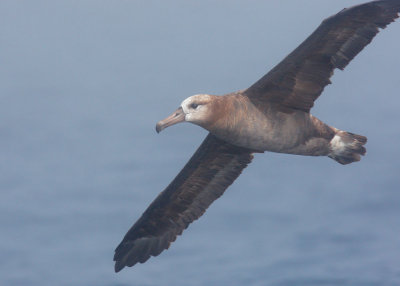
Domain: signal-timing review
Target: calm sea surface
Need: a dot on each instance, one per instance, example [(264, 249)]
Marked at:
[(82, 84)]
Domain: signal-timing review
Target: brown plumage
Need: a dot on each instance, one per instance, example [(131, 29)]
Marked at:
[(271, 115), (297, 81)]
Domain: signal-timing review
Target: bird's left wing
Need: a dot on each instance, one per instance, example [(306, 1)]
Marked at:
[(298, 80), (213, 167)]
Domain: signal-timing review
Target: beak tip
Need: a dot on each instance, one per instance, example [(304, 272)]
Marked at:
[(176, 117), (158, 128)]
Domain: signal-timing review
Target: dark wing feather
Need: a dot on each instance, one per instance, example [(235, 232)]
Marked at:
[(214, 166), (297, 81)]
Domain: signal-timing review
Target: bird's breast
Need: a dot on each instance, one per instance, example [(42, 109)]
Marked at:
[(262, 130)]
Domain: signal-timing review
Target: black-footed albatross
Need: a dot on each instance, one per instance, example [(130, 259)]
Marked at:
[(271, 115)]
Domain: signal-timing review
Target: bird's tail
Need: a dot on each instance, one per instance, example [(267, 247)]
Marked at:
[(347, 147)]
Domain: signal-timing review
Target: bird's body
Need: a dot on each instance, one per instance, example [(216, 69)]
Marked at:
[(265, 128), (238, 120), (271, 115)]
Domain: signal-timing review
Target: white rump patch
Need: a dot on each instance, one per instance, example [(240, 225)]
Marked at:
[(337, 144)]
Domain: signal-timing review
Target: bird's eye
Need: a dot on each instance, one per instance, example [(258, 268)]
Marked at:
[(194, 105)]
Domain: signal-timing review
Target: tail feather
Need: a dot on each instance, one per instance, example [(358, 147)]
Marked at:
[(347, 147)]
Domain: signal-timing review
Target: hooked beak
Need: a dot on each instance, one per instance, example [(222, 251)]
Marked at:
[(176, 117)]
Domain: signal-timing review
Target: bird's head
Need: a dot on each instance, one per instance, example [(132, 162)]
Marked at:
[(196, 109)]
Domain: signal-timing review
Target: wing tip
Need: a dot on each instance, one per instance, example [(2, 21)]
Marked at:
[(118, 266), (128, 253)]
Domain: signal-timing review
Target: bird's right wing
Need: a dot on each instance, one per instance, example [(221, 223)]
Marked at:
[(213, 167)]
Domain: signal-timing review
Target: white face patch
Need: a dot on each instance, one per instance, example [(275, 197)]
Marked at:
[(195, 115), (185, 104)]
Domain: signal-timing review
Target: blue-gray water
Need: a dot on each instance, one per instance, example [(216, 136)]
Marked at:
[(82, 84)]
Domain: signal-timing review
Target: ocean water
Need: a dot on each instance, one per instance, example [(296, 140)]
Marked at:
[(82, 84)]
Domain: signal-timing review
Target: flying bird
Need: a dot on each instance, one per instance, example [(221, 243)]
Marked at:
[(271, 115)]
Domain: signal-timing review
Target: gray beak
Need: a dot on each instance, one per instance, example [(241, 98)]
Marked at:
[(176, 117)]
